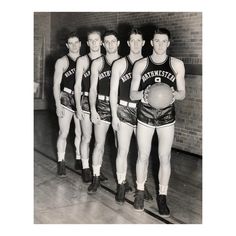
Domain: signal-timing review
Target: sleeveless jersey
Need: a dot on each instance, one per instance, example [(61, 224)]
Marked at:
[(86, 76), (68, 77), (104, 77), (125, 81), (158, 73)]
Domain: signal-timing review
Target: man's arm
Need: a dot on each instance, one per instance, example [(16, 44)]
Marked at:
[(179, 68), (93, 89), (77, 88), (116, 72), (136, 78), (59, 66)]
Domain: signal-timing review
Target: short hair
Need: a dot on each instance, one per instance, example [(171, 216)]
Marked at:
[(110, 32), (135, 31), (162, 31), (94, 32), (73, 34)]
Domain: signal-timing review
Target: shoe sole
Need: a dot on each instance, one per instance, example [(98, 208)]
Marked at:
[(164, 216), (139, 210), (120, 203), (61, 176)]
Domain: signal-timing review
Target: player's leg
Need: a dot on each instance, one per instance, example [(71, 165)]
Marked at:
[(165, 140), (77, 141), (124, 135), (86, 126), (100, 132), (64, 127), (144, 140)]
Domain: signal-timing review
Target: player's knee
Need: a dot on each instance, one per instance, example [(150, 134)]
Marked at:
[(86, 138), (143, 156), (164, 158), (122, 152), (99, 147), (63, 134)]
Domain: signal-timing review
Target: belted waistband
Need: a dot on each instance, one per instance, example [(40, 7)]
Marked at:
[(67, 90), (127, 104), (103, 97)]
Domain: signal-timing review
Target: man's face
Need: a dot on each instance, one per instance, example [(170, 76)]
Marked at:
[(160, 43), (136, 43), (73, 44), (94, 42), (111, 44)]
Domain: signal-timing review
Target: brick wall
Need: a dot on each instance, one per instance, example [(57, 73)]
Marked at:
[(186, 29)]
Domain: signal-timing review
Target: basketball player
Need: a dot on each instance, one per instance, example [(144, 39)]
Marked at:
[(124, 111), (82, 85), (63, 90), (157, 68), (99, 101)]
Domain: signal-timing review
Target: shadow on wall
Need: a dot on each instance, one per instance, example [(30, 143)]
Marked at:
[(60, 49)]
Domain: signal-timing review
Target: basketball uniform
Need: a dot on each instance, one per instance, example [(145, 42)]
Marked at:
[(103, 101), (127, 109), (86, 86), (157, 73), (67, 86)]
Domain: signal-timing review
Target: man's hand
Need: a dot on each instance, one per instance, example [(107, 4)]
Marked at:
[(79, 113), (145, 93), (95, 118), (115, 123)]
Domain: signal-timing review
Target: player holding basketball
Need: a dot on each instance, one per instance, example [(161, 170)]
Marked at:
[(99, 101), (159, 67), (82, 86), (63, 90), (124, 111)]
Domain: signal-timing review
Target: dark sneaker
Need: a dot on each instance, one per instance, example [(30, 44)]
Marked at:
[(147, 195), (86, 175), (127, 187), (162, 206), (139, 200), (103, 177), (120, 195), (78, 164), (94, 185), (61, 168)]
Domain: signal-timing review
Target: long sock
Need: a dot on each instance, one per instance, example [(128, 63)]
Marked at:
[(140, 186), (78, 157), (120, 177), (85, 163), (96, 170), (163, 189), (61, 156)]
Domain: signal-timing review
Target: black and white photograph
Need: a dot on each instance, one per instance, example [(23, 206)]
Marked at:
[(117, 117)]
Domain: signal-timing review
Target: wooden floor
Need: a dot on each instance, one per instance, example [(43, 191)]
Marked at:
[(65, 200)]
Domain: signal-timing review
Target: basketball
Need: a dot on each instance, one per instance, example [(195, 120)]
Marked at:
[(160, 95)]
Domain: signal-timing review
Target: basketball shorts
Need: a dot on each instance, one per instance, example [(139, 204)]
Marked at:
[(127, 115), (153, 117), (85, 104), (68, 101), (104, 110)]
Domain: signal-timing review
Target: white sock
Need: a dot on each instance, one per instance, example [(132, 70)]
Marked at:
[(120, 177), (61, 156), (140, 186), (163, 189), (78, 157), (85, 163), (96, 170)]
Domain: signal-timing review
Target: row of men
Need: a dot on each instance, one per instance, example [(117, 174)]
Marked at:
[(98, 90)]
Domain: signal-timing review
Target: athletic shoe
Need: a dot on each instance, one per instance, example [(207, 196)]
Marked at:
[(162, 206), (127, 187), (120, 195), (147, 195), (78, 164), (61, 168), (94, 185), (86, 175), (103, 177), (139, 200)]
